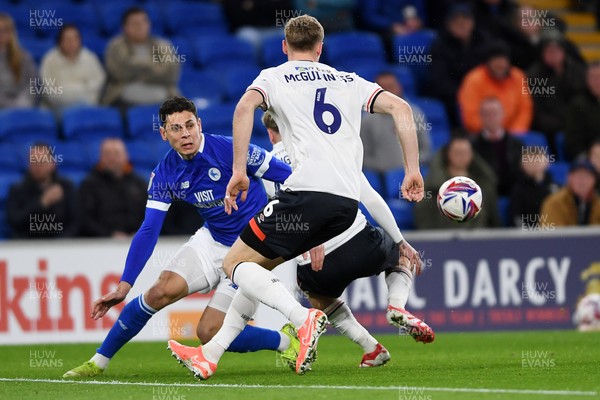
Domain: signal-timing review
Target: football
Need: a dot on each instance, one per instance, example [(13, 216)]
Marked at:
[(459, 199)]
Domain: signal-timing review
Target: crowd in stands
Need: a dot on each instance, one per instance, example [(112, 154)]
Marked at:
[(498, 94)]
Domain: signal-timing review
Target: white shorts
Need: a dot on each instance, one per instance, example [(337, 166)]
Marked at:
[(200, 262)]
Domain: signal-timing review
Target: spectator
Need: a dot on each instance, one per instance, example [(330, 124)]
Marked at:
[(457, 159), (458, 49), (336, 16), (582, 126), (533, 185), (135, 74), (500, 150), (382, 151), (594, 157), (71, 72), (112, 195), (577, 203), (392, 17), (553, 81), (43, 204), (259, 19), (495, 17), (16, 67), (496, 78)]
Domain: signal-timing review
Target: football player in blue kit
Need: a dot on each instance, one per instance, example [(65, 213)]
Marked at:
[(196, 170)]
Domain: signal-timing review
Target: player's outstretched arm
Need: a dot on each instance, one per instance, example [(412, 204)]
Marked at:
[(243, 120), (141, 249), (387, 103)]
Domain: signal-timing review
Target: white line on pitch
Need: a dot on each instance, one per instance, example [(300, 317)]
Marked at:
[(242, 386)]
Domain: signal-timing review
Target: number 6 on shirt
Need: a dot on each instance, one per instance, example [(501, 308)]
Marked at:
[(321, 108)]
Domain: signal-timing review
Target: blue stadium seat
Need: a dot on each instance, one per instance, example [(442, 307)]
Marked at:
[(343, 49), (393, 180), (374, 179), (237, 79), (184, 16), (223, 51), (143, 122), (185, 50), (435, 113), (406, 78), (11, 161), (96, 44), (6, 181), (559, 172), (27, 124), (72, 157), (75, 176), (202, 87), (534, 139), (369, 71), (82, 15), (271, 53), (89, 122), (37, 47), (143, 154), (20, 14), (218, 119), (503, 204), (412, 50), (403, 213), (367, 214), (259, 130), (438, 140), (561, 152), (111, 13)]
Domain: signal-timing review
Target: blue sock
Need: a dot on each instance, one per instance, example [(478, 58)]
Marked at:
[(253, 338), (132, 319)]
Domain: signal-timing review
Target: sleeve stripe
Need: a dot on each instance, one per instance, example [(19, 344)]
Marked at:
[(264, 166), (157, 205), (371, 100), (262, 92)]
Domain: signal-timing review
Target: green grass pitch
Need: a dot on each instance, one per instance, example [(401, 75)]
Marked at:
[(512, 365)]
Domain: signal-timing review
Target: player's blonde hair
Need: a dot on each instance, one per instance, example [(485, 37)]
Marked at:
[(303, 33), (269, 122)]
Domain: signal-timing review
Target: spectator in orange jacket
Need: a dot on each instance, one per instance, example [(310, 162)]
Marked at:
[(496, 77)]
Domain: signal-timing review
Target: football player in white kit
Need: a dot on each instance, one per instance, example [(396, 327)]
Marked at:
[(318, 111)]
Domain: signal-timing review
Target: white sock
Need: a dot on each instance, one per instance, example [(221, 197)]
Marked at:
[(264, 286), (242, 308), (399, 284), (343, 320), (100, 360), (285, 342)]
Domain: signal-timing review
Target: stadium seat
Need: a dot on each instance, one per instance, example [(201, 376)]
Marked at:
[(503, 204), (217, 119), (143, 122), (367, 215), (111, 13), (559, 172), (438, 140), (237, 79), (202, 87), (37, 47), (223, 51), (96, 44), (11, 161), (262, 141), (412, 50), (185, 50), (89, 122), (271, 53), (343, 49), (82, 15), (27, 124), (374, 179), (75, 176), (403, 213), (559, 141), (393, 180), (184, 16), (435, 113), (143, 154), (534, 139), (259, 129), (72, 157), (6, 181)]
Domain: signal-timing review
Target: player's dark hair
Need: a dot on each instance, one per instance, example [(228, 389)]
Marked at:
[(174, 105), (269, 122), (131, 11), (65, 28)]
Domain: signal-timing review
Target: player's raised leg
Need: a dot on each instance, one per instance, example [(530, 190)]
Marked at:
[(399, 282)]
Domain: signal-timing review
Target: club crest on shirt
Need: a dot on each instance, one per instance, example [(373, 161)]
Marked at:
[(214, 174)]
